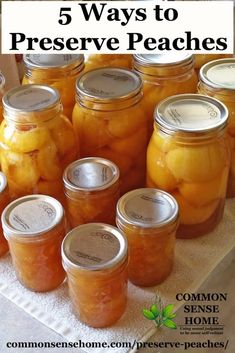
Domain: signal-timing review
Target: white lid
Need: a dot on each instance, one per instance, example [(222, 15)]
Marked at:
[(52, 60)]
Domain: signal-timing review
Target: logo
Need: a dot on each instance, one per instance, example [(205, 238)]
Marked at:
[(162, 316)]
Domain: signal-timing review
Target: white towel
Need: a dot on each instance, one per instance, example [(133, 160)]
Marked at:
[(195, 259)]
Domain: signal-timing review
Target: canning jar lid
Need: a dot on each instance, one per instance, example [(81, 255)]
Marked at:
[(90, 174), (3, 182), (108, 84), (171, 58), (147, 208), (191, 113), (219, 74), (53, 61), (93, 247), (31, 216), (30, 98), (2, 81)]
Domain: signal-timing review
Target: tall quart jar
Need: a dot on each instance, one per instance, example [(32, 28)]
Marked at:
[(95, 259), (164, 75), (92, 190), (217, 79), (57, 70), (4, 201), (95, 61), (2, 84), (189, 156), (35, 227), (149, 219), (37, 141), (110, 121)]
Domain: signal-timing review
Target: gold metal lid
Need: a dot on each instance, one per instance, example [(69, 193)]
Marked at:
[(31, 216), (90, 174), (53, 61), (94, 246), (30, 98), (170, 58), (108, 84), (147, 208), (219, 74), (191, 113), (3, 182)]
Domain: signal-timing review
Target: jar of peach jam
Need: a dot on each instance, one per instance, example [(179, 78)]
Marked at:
[(57, 70), (92, 191), (189, 157), (95, 259), (4, 201), (95, 61), (35, 227), (164, 75), (2, 84), (37, 141), (217, 79), (149, 219), (110, 121)]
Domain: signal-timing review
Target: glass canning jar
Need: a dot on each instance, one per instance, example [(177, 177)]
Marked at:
[(110, 121), (189, 157), (95, 61), (2, 84), (92, 191), (37, 141), (57, 70), (149, 219), (217, 79), (95, 259), (164, 75), (35, 227), (4, 201)]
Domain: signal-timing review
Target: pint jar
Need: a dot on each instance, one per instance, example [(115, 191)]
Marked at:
[(95, 61), (95, 259), (4, 201), (2, 84), (217, 79), (92, 191), (149, 219), (57, 70), (37, 141), (164, 75), (35, 227), (189, 157), (110, 121)]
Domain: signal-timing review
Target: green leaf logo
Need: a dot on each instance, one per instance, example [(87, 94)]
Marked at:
[(161, 316)]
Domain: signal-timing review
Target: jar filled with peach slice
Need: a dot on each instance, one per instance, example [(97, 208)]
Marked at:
[(95, 61), (189, 156), (4, 201), (110, 121), (92, 191), (95, 259), (149, 219), (2, 84), (35, 227), (59, 71), (164, 75), (217, 79), (37, 141)]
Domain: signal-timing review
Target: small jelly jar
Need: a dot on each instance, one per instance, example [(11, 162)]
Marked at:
[(149, 219), (35, 227), (217, 79), (92, 191), (57, 70), (189, 157), (37, 141), (4, 201), (95, 258), (110, 122)]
